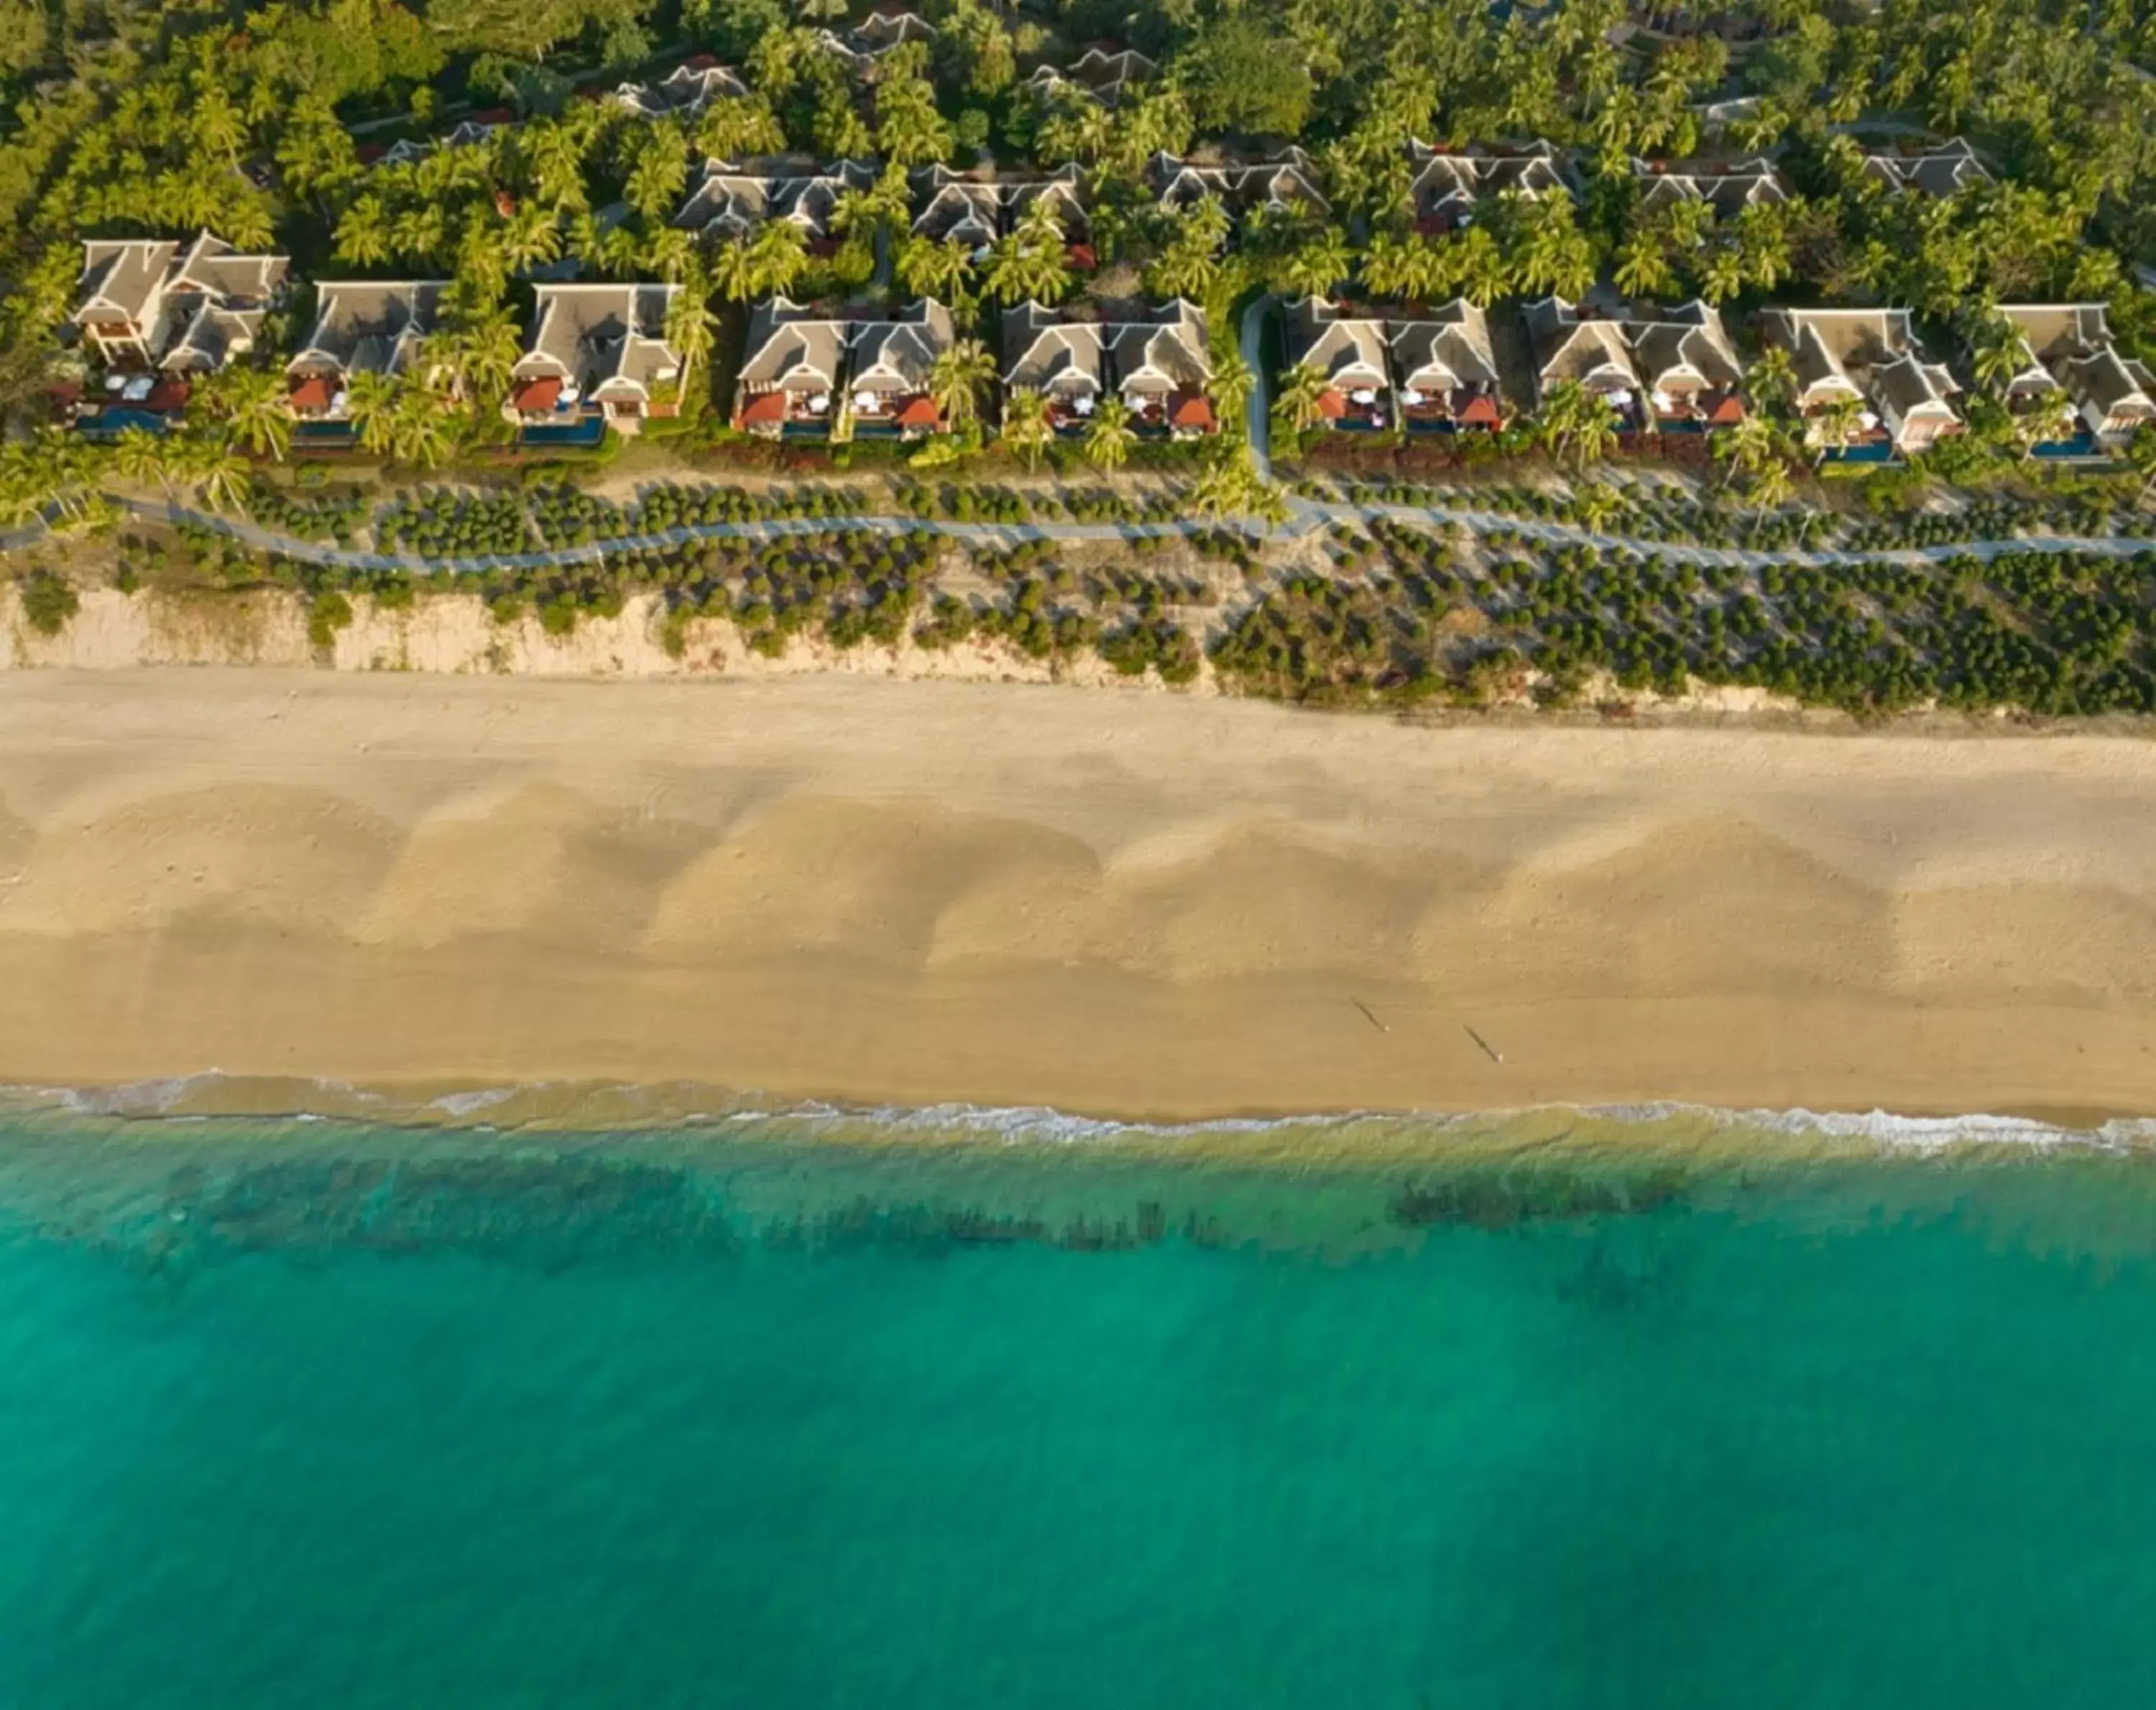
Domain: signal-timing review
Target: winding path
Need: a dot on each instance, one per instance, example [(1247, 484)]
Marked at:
[(1305, 515)]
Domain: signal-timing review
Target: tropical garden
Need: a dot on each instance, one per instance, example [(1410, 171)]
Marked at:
[(278, 126)]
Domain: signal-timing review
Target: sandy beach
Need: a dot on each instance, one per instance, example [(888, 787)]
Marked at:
[(1127, 904)]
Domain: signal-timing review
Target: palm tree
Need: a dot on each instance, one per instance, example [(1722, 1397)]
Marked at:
[(666, 252), (1109, 435), (734, 270), (370, 398), (909, 130), (1026, 427), (1409, 267), (944, 271), (654, 182), (1314, 267), (1772, 380), (957, 377), (2046, 420), (1480, 267), (1763, 240), (1643, 268), (2141, 456), (138, 455), (555, 153), (48, 471), (419, 430), (1596, 501), (1837, 421), (1749, 447), (1769, 484), (1301, 392), (421, 231), (1723, 277), (1996, 358), (363, 235), (1188, 262), (1182, 270), (1577, 425), (691, 327), (219, 473), (780, 253), (1233, 488), (1231, 385), (1022, 268), (740, 126), (252, 405)]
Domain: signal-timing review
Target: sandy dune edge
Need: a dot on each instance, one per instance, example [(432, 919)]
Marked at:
[(916, 892)]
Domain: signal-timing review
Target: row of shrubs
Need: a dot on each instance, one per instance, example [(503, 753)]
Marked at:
[(2046, 633), (2050, 632)]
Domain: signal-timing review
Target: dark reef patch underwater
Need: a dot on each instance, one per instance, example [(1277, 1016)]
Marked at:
[(933, 1409)]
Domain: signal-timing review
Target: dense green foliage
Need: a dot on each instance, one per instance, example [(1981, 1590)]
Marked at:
[(48, 599), (126, 117), (2045, 632)]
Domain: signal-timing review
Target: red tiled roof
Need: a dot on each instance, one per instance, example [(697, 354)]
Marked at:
[(700, 61), (494, 115), (1728, 408), (766, 408), (1481, 407), (920, 412), (369, 152), (1331, 404), (1192, 411), (312, 393), (1082, 257), (167, 395), (537, 395)]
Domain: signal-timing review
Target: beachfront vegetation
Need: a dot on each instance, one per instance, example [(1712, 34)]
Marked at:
[(2046, 633), (274, 127), (1393, 615)]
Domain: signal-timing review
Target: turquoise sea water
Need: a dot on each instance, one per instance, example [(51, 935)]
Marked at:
[(316, 1414)]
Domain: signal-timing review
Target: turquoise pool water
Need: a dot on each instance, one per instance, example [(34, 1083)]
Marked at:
[(319, 1415)]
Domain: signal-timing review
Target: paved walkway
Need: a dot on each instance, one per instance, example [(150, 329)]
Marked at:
[(1305, 516)]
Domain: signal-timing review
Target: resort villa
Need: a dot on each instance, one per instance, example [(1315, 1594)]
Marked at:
[(977, 211), (1445, 369), (687, 89), (1155, 361), (1864, 364), (1287, 180), (1728, 190), (1946, 169), (144, 303), (1669, 370), (809, 375), (361, 327), (892, 366), (1688, 365), (1448, 184), (1432, 371), (730, 201), (1349, 352), (1103, 73), (2067, 347), (859, 48), (597, 358)]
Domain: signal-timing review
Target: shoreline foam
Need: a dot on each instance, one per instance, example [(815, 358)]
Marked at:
[(560, 1109)]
